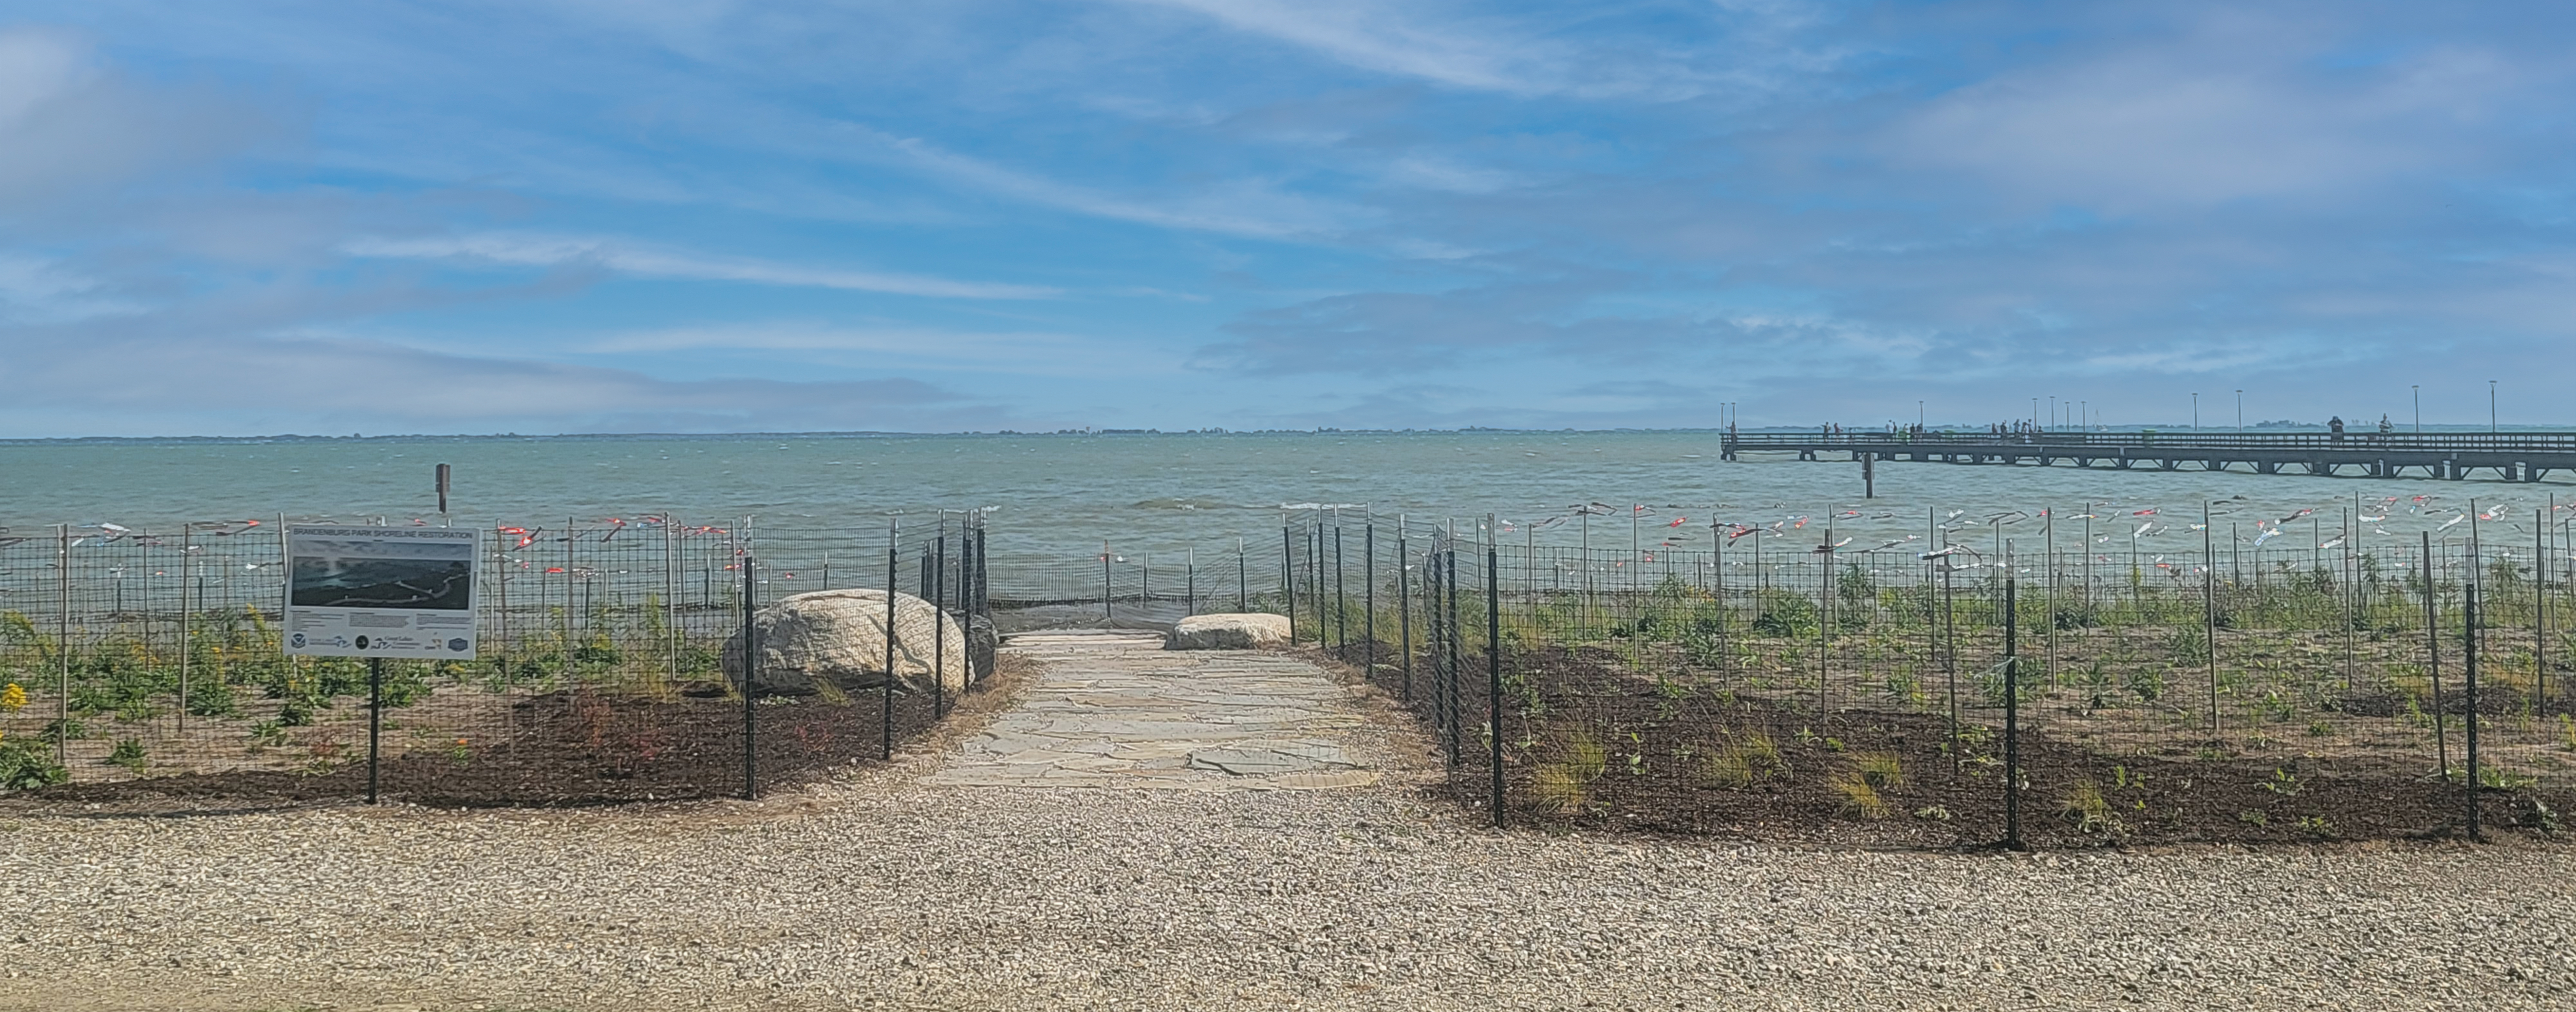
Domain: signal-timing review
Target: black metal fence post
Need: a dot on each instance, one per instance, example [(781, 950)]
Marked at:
[(1449, 582), (1404, 608), (375, 721), (2433, 661), (2012, 722), (750, 678), (938, 597), (1341, 602), (1494, 674), (1288, 576), (2469, 658), (885, 704), (1368, 596), (1439, 637)]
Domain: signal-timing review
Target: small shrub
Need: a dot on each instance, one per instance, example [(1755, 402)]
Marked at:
[(2316, 826), (212, 700), (25, 764), (2283, 783), (127, 753), (2254, 817), (1932, 813), (2089, 812)]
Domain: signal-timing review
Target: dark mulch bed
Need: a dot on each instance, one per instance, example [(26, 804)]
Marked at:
[(1590, 745), (558, 749)]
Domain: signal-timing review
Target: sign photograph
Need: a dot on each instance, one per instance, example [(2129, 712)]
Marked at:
[(400, 592)]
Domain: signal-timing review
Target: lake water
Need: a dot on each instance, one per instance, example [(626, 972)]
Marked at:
[(1056, 498)]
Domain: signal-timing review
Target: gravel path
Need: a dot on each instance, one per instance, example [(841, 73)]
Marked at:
[(1118, 711), (890, 892)]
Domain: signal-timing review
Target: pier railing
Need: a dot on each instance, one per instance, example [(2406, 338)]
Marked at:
[(2175, 441)]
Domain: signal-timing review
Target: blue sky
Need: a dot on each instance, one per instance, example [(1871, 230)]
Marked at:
[(695, 215)]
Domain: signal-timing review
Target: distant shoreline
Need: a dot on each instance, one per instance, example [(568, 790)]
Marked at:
[(1081, 433)]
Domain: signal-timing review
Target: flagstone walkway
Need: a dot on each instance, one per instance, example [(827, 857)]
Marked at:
[(1116, 710)]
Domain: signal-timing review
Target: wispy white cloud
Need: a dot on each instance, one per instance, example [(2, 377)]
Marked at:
[(624, 256), (1240, 206), (45, 290), (884, 345)]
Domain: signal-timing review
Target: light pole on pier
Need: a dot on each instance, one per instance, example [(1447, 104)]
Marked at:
[(2195, 411), (1918, 414), (2240, 412), (2491, 408), (2419, 408)]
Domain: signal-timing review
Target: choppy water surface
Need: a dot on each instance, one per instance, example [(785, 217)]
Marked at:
[(1060, 496)]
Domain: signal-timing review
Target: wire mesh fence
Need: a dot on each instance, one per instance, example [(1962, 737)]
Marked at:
[(144, 667), (2226, 694)]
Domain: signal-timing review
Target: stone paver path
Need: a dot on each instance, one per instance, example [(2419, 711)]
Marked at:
[(1116, 710)]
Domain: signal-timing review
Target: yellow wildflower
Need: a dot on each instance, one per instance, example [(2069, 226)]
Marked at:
[(13, 697)]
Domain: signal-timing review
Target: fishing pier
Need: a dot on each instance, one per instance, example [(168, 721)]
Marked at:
[(2513, 456)]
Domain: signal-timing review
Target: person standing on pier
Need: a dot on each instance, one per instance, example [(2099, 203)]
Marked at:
[(2335, 425)]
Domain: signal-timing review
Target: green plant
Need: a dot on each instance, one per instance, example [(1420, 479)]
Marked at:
[(64, 730), (1784, 614), (1859, 796), (2315, 825), (2497, 778), (25, 764), (1881, 769), (2540, 816), (2148, 684), (127, 753), (2254, 817), (2320, 729), (2283, 783), (2095, 682), (2084, 808), (1932, 813), (1565, 782), (214, 699), (2187, 646), (1746, 759)]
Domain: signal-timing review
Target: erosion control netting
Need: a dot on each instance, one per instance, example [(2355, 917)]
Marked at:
[(143, 670), (1802, 695)]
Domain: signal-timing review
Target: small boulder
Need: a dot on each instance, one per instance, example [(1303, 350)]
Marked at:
[(837, 638), (1236, 631)]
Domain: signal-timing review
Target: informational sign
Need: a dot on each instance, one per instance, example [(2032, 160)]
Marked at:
[(400, 592)]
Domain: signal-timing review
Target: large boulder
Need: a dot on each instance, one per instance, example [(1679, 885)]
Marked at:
[(1236, 631), (837, 638)]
